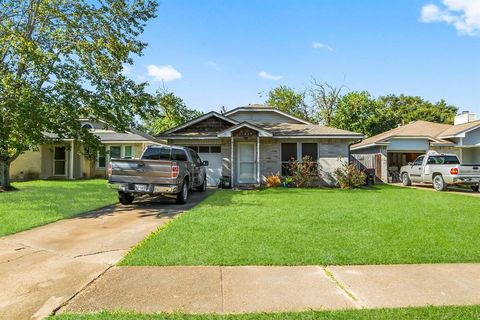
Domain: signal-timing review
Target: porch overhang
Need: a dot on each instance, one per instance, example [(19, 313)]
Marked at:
[(229, 132)]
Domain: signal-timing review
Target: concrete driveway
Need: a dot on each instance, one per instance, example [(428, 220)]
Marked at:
[(42, 268)]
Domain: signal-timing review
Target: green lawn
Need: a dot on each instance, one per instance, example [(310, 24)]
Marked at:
[(383, 225), (430, 313), (40, 202)]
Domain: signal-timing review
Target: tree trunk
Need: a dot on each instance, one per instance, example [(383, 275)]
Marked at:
[(5, 176)]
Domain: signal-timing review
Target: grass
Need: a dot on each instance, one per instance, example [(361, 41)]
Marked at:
[(426, 313), (40, 202), (382, 225)]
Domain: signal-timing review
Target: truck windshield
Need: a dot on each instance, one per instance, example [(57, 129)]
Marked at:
[(443, 160)]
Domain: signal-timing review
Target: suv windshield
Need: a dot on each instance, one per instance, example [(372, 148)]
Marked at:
[(443, 160)]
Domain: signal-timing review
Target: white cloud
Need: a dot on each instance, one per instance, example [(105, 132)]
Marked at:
[(464, 15), (267, 76), (163, 73), (319, 45)]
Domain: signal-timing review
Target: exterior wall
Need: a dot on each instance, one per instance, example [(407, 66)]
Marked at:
[(472, 138), (261, 117), (333, 152), (27, 165), (367, 158), (470, 155)]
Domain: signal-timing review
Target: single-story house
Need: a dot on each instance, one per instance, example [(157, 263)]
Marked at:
[(388, 151), (249, 143), (65, 159)]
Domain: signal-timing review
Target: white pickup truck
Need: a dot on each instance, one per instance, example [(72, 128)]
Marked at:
[(441, 170)]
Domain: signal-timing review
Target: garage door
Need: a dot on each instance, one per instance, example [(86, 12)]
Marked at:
[(213, 155)]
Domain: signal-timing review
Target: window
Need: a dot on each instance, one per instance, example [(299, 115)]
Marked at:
[(310, 149), (102, 157), (443, 160), (195, 157), (127, 152), (419, 161), (215, 149), (179, 155), (87, 126), (115, 152), (165, 154), (289, 152), (204, 149), (151, 154)]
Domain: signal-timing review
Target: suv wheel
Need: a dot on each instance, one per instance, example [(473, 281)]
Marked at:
[(406, 179), (182, 197), (125, 198), (439, 184)]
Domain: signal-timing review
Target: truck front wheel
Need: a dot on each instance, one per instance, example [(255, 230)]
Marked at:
[(474, 188), (439, 184), (125, 198), (182, 197), (406, 179), (203, 186)]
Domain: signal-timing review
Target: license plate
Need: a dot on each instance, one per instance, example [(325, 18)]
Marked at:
[(140, 187)]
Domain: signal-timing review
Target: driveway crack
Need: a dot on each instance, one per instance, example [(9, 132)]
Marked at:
[(221, 287), (96, 252)]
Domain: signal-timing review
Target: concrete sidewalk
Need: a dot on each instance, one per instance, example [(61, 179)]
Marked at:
[(273, 289), (44, 267)]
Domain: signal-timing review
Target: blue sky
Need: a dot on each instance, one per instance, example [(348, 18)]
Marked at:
[(214, 53)]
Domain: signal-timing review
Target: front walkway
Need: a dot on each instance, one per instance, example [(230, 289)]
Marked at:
[(42, 268), (213, 289)]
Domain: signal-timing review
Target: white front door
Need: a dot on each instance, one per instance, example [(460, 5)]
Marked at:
[(246, 162)]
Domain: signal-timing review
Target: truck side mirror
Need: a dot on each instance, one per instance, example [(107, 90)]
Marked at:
[(205, 163)]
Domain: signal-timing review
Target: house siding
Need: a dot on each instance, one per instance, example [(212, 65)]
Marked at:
[(472, 138), (27, 164)]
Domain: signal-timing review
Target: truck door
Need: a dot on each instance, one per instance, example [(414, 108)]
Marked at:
[(416, 171)]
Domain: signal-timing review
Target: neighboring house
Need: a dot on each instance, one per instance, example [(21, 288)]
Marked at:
[(65, 160), (388, 151), (252, 142)]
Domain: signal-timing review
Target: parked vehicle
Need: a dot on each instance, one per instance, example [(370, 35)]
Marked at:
[(441, 170), (170, 171)]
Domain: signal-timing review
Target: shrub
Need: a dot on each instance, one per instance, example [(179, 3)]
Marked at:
[(273, 180), (303, 173), (348, 176)]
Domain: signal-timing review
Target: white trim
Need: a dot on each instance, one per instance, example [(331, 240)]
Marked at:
[(461, 134), (198, 119), (228, 133), (267, 109), (232, 144), (258, 159), (238, 161), (72, 148)]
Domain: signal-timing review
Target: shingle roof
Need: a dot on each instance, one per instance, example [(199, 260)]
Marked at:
[(108, 136), (459, 128), (294, 129), (415, 129)]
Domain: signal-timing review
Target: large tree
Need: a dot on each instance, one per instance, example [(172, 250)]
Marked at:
[(288, 100), (61, 60), (170, 111), (325, 99), (358, 111)]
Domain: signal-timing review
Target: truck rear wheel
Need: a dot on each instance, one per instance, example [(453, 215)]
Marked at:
[(438, 183), (474, 188), (125, 198), (182, 197)]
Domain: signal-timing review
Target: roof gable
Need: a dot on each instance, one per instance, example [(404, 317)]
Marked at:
[(211, 122), (263, 114)]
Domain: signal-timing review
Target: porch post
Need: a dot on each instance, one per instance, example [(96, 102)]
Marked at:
[(258, 159), (231, 161), (72, 144)]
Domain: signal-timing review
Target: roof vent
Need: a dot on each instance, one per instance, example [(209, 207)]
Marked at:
[(465, 117)]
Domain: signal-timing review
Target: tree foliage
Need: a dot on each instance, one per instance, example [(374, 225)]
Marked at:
[(325, 98), (288, 100), (170, 112), (359, 112), (61, 60)]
